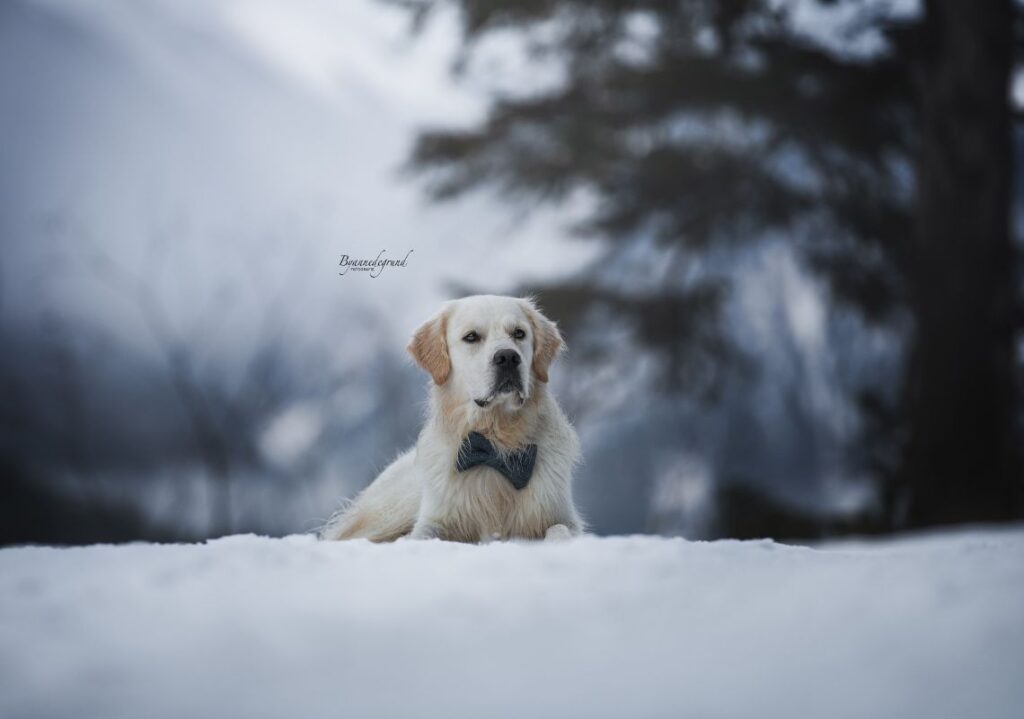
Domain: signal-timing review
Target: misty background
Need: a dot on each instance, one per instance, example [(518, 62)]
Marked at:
[(730, 208)]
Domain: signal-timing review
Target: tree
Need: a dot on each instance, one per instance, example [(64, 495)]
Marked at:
[(961, 460), (701, 127)]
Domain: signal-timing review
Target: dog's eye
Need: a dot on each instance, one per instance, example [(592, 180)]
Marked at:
[(471, 337), (519, 334)]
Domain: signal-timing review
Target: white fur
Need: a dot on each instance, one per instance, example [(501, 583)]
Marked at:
[(421, 494)]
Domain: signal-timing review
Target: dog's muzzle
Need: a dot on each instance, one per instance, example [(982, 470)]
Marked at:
[(508, 376)]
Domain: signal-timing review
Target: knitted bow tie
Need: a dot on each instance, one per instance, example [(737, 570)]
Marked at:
[(517, 466)]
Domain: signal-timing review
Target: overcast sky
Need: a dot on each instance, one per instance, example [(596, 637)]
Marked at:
[(230, 152)]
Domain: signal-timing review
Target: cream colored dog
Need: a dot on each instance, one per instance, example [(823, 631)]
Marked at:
[(488, 358)]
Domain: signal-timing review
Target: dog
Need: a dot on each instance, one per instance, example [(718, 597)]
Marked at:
[(495, 457)]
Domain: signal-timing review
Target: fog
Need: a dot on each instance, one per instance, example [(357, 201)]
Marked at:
[(183, 359)]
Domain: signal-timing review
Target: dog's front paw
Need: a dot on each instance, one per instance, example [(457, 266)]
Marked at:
[(557, 533), (425, 530)]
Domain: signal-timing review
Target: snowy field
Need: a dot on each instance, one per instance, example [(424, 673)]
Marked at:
[(621, 627)]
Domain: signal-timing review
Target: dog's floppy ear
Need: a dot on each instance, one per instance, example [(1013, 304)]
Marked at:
[(429, 347), (547, 341)]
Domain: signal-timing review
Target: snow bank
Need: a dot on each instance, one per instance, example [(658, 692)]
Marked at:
[(620, 627)]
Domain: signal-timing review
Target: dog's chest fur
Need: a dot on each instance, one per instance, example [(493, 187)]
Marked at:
[(481, 504)]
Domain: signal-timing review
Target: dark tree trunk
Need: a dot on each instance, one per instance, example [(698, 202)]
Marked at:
[(961, 460)]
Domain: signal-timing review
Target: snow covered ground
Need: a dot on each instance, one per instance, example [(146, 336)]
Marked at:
[(930, 626)]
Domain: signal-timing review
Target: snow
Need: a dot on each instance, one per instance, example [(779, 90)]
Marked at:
[(249, 626)]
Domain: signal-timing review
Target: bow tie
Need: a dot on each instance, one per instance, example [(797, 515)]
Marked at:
[(517, 466)]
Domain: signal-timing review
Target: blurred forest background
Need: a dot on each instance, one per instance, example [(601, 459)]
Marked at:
[(783, 239)]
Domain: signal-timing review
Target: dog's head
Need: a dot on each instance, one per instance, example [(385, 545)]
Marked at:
[(487, 349)]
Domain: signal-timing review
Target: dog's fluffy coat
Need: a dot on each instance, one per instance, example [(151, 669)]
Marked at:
[(421, 494)]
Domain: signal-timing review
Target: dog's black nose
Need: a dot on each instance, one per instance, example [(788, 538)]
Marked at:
[(506, 358)]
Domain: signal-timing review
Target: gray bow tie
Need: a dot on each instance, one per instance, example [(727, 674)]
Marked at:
[(517, 466)]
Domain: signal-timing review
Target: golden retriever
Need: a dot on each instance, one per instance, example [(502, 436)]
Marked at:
[(495, 458)]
